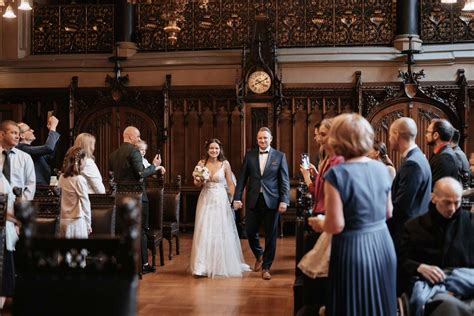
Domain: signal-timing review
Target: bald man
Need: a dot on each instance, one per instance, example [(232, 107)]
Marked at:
[(127, 164), (442, 238), (411, 188)]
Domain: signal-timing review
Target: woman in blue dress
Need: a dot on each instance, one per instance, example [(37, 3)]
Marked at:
[(362, 268)]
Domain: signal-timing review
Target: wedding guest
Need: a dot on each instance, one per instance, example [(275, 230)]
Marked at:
[(18, 167), (127, 164), (411, 188), (11, 237), (379, 152), (434, 244), (75, 204), (443, 162), (216, 250), (90, 171), (357, 203), (316, 188), (40, 154)]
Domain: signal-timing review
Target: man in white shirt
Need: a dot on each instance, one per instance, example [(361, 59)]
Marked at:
[(18, 167)]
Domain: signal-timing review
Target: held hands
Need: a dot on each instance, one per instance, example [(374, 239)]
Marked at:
[(433, 274), (237, 205)]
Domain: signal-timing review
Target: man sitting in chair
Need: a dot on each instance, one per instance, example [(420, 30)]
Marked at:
[(433, 247)]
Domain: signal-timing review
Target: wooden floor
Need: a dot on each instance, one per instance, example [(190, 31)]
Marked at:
[(171, 290)]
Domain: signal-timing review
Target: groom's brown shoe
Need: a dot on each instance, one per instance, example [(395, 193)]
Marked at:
[(266, 275), (258, 264)]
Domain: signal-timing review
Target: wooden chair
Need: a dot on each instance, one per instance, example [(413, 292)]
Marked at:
[(47, 202), (290, 214), (155, 232), (171, 210), (64, 284), (103, 211)]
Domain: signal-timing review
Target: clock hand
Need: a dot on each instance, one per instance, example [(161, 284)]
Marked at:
[(260, 81)]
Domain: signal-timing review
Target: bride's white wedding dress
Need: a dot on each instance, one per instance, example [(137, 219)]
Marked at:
[(216, 250)]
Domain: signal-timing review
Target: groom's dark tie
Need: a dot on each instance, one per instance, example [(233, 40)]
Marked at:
[(264, 152)]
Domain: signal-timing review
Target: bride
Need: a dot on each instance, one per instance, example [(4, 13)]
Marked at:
[(216, 250)]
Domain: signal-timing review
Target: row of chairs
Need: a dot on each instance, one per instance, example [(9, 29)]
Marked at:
[(164, 210), (96, 276)]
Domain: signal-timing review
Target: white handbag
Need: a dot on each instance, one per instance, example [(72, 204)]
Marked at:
[(315, 263)]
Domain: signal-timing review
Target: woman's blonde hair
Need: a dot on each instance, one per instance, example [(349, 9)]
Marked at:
[(87, 142), (351, 136)]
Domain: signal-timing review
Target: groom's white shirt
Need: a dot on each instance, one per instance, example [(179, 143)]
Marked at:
[(262, 158)]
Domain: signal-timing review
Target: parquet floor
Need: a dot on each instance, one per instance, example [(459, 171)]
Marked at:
[(171, 290)]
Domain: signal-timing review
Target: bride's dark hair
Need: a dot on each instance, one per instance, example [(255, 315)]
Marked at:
[(208, 143)]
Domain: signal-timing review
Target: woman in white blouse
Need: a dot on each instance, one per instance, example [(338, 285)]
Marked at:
[(92, 174), (75, 204)]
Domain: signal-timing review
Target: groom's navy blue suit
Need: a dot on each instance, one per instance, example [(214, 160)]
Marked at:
[(264, 193)]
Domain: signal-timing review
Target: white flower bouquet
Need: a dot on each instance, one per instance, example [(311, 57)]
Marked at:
[(201, 173)]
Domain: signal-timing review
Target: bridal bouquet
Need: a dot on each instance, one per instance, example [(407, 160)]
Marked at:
[(201, 174)]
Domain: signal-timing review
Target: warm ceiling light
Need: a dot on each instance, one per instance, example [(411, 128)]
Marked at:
[(9, 14), (449, 1), (25, 6), (469, 6)]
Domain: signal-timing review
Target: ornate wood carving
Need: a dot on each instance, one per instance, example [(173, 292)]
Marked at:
[(73, 29), (224, 24), (441, 23)]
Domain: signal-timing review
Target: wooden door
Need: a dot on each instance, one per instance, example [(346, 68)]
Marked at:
[(107, 126), (421, 112)]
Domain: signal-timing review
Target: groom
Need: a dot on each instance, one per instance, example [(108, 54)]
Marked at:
[(265, 172)]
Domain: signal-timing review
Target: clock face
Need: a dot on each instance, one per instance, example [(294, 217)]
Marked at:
[(259, 82)]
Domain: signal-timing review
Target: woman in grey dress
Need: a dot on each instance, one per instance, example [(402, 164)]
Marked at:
[(362, 268)]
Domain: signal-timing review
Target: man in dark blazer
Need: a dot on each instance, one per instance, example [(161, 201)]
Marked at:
[(40, 154), (443, 163), (433, 244), (265, 173), (411, 188), (127, 164)]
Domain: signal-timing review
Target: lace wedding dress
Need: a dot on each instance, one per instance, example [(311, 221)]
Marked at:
[(216, 250)]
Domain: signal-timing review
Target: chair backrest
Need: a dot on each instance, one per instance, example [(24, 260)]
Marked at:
[(103, 211), (47, 201), (132, 189), (100, 287), (156, 205), (172, 200)]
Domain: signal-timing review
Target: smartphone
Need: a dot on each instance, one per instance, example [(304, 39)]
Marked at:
[(50, 113), (305, 160)]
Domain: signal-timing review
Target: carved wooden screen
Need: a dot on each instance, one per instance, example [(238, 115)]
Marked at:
[(296, 120), (422, 113), (107, 126), (195, 119)]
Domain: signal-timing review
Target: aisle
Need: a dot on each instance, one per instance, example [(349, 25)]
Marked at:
[(171, 290)]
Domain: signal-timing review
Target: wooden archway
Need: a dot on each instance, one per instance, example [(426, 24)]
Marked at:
[(421, 109)]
